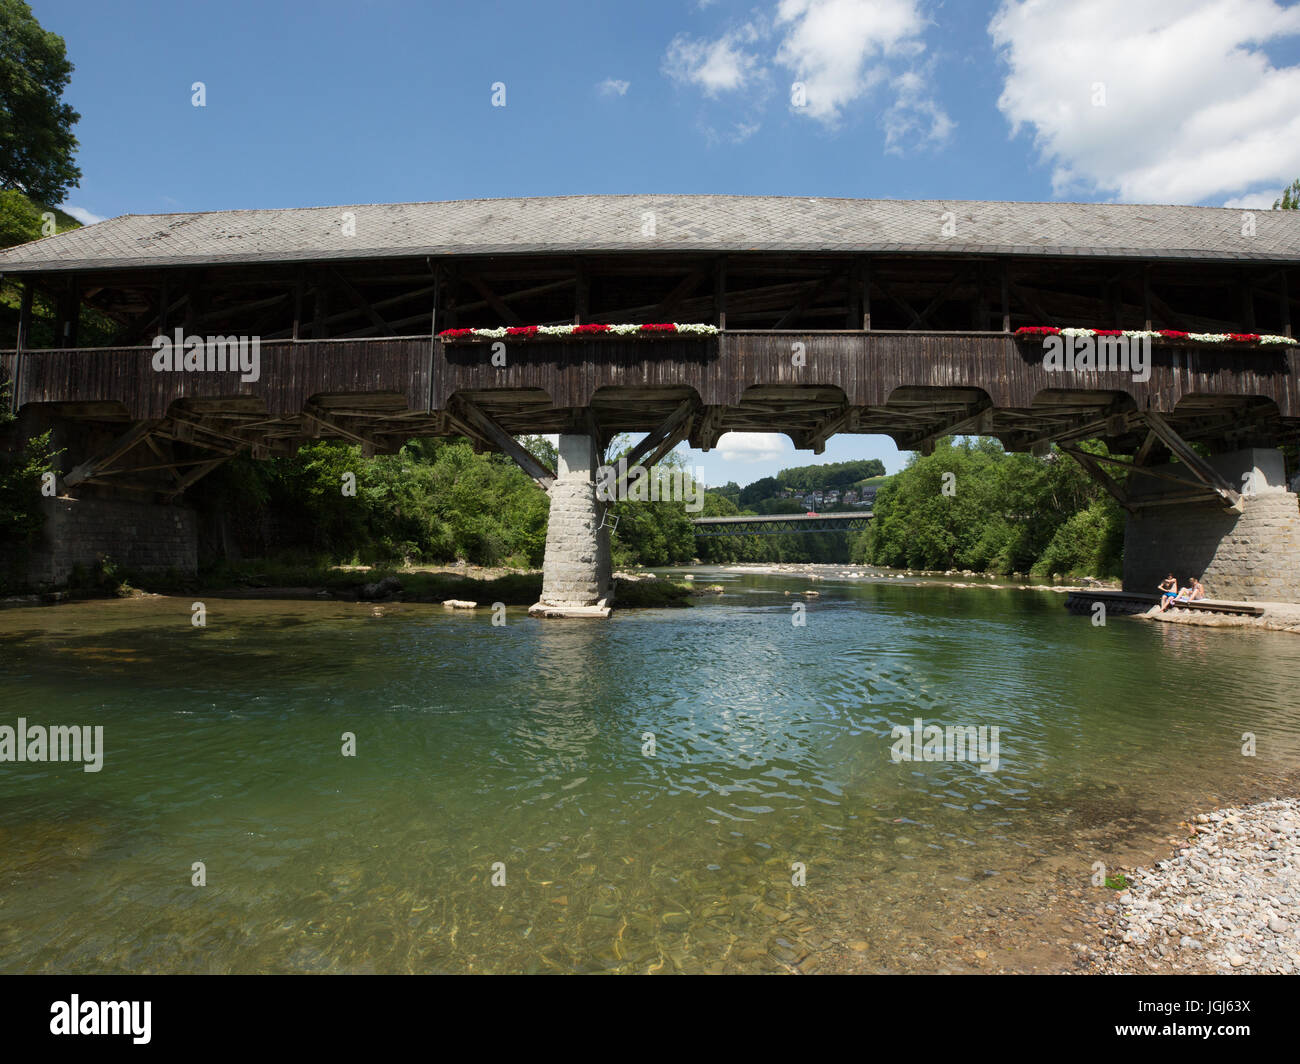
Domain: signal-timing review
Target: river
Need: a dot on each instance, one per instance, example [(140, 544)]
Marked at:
[(699, 790)]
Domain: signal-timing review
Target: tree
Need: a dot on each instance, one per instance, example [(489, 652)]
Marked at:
[(36, 141), (759, 490), (1290, 200), (21, 517)]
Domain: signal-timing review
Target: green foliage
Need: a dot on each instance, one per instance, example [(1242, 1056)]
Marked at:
[(434, 501), (1290, 200), (973, 506), (831, 475), (21, 223), (21, 520), (36, 141)]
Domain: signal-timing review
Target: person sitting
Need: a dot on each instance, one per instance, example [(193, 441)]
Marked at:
[(1168, 591), (1198, 590)]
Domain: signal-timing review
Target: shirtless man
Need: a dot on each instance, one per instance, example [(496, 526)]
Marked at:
[(1168, 591)]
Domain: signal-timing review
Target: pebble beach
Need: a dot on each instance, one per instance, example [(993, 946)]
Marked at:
[(1227, 902)]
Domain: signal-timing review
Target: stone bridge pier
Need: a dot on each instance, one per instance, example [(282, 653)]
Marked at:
[(1250, 550), (577, 574)]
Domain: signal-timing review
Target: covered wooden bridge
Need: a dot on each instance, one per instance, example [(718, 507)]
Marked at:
[(824, 315)]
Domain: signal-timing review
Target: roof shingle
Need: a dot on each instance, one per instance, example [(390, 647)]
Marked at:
[(573, 224)]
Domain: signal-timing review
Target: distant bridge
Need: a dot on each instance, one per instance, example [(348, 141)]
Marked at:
[(782, 524)]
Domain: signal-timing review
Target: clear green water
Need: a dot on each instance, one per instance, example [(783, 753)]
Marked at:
[(523, 744)]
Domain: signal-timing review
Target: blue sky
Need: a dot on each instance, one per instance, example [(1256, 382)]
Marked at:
[(1185, 101)]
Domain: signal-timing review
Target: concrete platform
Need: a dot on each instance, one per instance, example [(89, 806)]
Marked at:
[(600, 611), (1134, 602)]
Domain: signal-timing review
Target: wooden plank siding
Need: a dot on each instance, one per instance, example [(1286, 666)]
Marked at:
[(867, 368), (291, 374)]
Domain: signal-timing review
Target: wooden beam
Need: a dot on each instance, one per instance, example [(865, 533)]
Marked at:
[(1006, 301), (24, 315), (581, 293), (658, 442), (947, 290), (503, 441), (1093, 468), (1029, 301), (814, 292), (708, 427), (97, 464), (1144, 452), (720, 293), (320, 311), (976, 420), (493, 300), (866, 295), (362, 302), (197, 473), (845, 419), (1201, 469), (667, 307)]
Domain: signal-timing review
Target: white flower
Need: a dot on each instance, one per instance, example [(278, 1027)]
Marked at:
[(555, 330), (698, 329), (623, 330), (491, 334)]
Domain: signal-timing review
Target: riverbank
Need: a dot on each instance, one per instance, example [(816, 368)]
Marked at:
[(932, 578), (425, 584), (1277, 617), (1227, 901)]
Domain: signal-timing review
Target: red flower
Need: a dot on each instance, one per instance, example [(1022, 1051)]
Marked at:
[(1244, 338), (1173, 334), (1109, 332), (454, 334), (659, 328), (1038, 330), (591, 327), (522, 330)]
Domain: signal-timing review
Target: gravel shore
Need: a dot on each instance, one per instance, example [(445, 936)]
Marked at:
[(1228, 901)]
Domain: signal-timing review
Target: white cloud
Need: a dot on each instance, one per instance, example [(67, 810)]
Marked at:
[(752, 446), (1253, 201), (613, 87), (838, 51), (724, 65), (841, 49), (915, 115), (81, 214), (1193, 107)]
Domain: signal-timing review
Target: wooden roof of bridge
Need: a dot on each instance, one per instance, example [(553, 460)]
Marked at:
[(577, 225)]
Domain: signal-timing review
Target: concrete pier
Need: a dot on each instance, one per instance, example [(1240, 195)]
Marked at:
[(1252, 555), (577, 576)]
